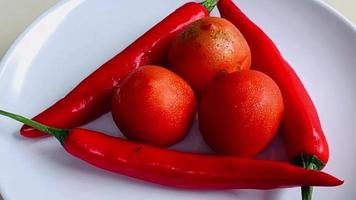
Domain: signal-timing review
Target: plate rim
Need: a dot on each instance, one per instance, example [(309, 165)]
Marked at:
[(13, 47), (5, 59), (19, 39)]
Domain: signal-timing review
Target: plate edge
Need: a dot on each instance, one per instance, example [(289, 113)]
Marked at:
[(4, 60)]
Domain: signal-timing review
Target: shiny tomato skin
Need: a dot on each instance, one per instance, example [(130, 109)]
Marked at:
[(240, 113), (154, 106), (207, 47)]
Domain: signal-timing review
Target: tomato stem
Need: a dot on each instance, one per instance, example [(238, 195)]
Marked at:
[(209, 4), (60, 134)]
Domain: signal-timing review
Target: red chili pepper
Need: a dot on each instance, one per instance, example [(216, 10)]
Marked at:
[(178, 169), (92, 97), (303, 135)]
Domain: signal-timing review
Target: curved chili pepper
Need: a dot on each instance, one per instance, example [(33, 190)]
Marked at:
[(303, 135), (178, 169), (92, 97)]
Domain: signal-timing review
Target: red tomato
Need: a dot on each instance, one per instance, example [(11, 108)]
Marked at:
[(207, 47), (240, 113), (154, 106)]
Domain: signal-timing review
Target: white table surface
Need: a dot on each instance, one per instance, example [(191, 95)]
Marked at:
[(16, 15)]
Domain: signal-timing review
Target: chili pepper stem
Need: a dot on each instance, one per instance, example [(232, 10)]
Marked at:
[(307, 192), (60, 134), (209, 4), (308, 162)]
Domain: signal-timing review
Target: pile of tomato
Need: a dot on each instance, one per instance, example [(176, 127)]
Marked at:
[(239, 110)]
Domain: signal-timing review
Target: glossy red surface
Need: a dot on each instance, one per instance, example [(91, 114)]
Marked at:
[(155, 106), (92, 97), (187, 170), (301, 125), (240, 113), (207, 47)]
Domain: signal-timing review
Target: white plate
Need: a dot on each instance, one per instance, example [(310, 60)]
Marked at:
[(69, 41)]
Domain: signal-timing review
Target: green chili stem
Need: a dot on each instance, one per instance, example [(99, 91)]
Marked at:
[(307, 191), (209, 4), (60, 134), (308, 162)]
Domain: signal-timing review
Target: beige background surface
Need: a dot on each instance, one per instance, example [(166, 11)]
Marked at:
[(16, 15)]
